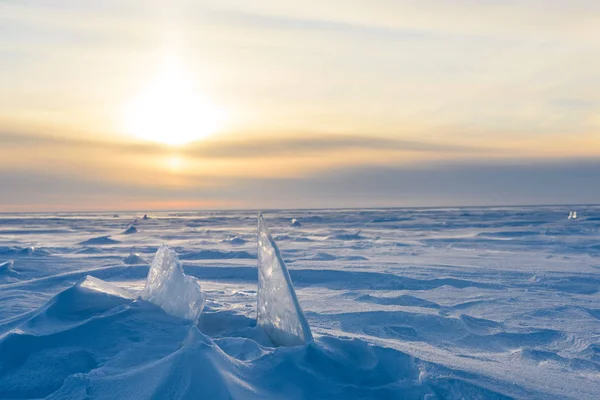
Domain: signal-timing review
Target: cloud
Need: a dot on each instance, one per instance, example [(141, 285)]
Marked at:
[(411, 83), (250, 146), (439, 184), (59, 191), (466, 17)]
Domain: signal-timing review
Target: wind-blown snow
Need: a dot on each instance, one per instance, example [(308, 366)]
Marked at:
[(170, 289), (279, 312), (453, 303)]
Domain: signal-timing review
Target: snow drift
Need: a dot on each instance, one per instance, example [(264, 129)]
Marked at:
[(482, 303), (131, 229)]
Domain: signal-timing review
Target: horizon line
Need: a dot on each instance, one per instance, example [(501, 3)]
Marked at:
[(301, 209)]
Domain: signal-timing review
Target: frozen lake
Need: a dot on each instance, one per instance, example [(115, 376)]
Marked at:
[(402, 303)]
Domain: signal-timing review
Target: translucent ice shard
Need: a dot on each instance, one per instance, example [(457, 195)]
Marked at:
[(279, 312), (172, 290)]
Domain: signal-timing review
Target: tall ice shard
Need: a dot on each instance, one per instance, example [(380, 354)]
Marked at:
[(279, 312), (172, 290)]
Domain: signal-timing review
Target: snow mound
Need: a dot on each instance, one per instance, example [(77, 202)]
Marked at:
[(89, 283), (131, 229), (28, 250), (234, 241), (89, 297), (345, 236), (100, 240), (134, 258), (6, 266), (295, 223), (279, 312), (172, 290), (216, 255), (22, 251), (7, 274), (322, 256)]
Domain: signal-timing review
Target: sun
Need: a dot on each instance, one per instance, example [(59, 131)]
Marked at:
[(170, 111)]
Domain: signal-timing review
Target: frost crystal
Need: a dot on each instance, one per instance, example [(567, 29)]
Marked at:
[(172, 290), (279, 312)]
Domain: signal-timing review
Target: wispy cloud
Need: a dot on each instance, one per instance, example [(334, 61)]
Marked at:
[(324, 97), (440, 184), (250, 146)]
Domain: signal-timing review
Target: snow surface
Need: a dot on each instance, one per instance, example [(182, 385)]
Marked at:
[(6, 265), (279, 312), (131, 229), (172, 290), (454, 303)]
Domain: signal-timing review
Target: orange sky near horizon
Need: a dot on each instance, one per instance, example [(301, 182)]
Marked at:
[(150, 104)]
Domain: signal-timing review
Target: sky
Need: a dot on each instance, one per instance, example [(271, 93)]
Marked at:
[(150, 105)]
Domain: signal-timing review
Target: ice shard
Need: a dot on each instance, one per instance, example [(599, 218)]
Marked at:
[(279, 312), (172, 290)]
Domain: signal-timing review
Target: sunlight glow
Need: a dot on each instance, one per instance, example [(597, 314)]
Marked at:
[(174, 163), (170, 111)]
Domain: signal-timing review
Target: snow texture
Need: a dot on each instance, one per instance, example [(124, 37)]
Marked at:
[(172, 290), (489, 303), (131, 229), (6, 265), (279, 312), (99, 286)]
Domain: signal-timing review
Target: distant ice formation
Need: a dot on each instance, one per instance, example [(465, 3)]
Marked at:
[(573, 215), (134, 258), (172, 290), (131, 229), (22, 251), (279, 312), (98, 241), (234, 241)]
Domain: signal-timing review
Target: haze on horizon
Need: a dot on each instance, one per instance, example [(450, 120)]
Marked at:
[(119, 105)]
